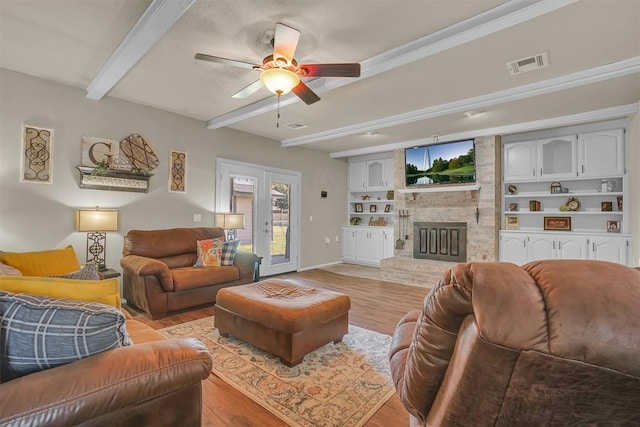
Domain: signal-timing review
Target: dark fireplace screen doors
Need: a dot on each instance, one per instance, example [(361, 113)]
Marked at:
[(440, 241)]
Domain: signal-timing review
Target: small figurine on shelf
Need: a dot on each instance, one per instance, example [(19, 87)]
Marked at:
[(556, 187), (365, 197)]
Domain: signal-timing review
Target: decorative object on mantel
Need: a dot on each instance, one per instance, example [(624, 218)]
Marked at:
[(37, 155), (177, 171)]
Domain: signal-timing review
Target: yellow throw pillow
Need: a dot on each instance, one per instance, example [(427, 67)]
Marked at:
[(42, 263), (103, 291)]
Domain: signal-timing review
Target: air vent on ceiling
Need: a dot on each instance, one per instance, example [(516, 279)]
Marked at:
[(531, 63), (296, 126)]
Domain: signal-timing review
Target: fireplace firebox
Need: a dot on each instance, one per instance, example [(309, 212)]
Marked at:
[(440, 241)]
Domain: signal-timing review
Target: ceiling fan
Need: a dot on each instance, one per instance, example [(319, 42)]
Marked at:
[(281, 73)]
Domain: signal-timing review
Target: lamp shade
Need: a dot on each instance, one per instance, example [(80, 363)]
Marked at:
[(279, 80), (230, 221), (96, 220)]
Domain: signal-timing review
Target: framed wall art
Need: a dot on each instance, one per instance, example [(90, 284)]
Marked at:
[(557, 223), (37, 155), (358, 207), (177, 171)]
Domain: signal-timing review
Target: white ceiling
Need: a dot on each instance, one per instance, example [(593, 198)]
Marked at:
[(424, 63)]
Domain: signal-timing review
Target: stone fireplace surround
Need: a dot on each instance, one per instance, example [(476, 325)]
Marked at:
[(448, 206)]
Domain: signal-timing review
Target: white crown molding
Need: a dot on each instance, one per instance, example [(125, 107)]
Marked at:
[(568, 81), (611, 113), (159, 16), (499, 18)]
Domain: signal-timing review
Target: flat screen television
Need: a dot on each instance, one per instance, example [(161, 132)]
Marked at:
[(444, 163)]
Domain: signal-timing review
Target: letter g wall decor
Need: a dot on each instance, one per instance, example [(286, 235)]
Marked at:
[(119, 166)]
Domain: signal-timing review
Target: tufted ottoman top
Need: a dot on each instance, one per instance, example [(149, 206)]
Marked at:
[(283, 305)]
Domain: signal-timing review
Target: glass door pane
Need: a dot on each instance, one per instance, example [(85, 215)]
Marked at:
[(280, 238), (243, 195)]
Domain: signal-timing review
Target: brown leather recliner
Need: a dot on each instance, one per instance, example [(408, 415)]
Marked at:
[(554, 342), (159, 274)]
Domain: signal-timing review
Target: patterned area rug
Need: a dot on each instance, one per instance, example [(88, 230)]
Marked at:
[(337, 385)]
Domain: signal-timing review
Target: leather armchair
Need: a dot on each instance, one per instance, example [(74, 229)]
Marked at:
[(554, 342), (158, 273), (155, 382)]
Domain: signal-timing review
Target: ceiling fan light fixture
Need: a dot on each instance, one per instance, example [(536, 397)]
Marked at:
[(279, 80)]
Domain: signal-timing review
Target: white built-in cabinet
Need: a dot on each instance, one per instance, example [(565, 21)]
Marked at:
[(591, 167), (367, 245), (369, 236), (371, 175)]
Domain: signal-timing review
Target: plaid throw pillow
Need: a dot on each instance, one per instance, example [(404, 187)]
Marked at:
[(229, 250), (88, 272), (40, 332)]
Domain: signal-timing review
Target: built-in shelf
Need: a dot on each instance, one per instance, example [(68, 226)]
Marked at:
[(572, 194), (438, 189), (558, 212)]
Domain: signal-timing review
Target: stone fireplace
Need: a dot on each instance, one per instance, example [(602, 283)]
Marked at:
[(478, 210), (440, 241)]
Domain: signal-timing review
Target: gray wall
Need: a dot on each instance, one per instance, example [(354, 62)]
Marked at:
[(40, 216), (633, 168)]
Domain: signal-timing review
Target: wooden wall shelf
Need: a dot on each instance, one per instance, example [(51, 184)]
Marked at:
[(113, 181)]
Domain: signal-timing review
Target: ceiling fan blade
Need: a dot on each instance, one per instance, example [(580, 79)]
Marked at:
[(285, 41), (305, 93), (249, 90), (331, 70), (225, 61)]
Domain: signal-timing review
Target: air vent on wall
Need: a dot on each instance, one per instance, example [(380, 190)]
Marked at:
[(531, 63)]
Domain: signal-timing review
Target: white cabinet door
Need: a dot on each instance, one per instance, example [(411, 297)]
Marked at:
[(614, 249), (375, 175), (388, 174), (572, 247), (513, 248), (520, 161), (557, 158), (357, 178), (388, 244), (601, 153), (542, 246), (348, 244)]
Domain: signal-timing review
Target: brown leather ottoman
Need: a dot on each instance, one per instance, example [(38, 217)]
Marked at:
[(282, 318)]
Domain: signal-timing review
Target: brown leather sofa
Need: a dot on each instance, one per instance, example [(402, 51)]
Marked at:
[(155, 382), (556, 342), (159, 274)]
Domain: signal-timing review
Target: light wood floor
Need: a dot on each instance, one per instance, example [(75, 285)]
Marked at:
[(375, 305)]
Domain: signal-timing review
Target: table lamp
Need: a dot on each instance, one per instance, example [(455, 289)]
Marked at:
[(95, 222), (230, 222)]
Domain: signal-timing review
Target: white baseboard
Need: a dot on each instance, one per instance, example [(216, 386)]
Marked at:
[(320, 266)]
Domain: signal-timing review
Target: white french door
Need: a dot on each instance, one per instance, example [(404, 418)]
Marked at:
[(269, 199)]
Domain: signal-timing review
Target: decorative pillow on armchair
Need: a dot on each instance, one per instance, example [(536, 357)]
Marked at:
[(209, 252), (40, 332), (87, 272), (229, 250)]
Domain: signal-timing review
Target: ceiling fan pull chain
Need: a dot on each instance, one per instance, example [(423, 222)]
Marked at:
[(278, 120)]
